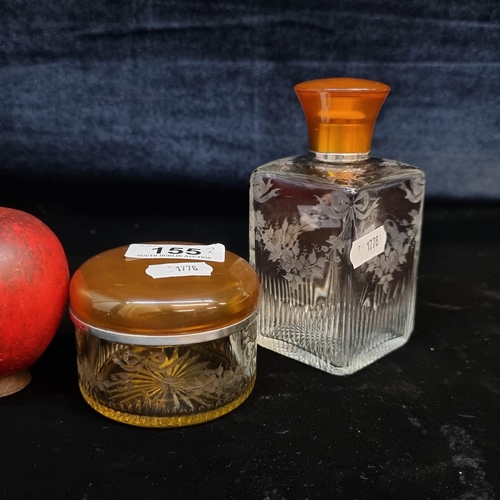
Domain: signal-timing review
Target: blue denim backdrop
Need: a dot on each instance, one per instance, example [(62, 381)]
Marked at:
[(203, 92)]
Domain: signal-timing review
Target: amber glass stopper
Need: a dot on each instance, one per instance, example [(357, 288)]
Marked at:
[(341, 113)]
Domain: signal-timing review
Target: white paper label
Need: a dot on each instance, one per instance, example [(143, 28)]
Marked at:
[(213, 253), (368, 246), (179, 269)]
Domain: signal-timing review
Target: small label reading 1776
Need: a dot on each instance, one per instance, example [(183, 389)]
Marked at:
[(213, 253), (178, 270), (368, 246)]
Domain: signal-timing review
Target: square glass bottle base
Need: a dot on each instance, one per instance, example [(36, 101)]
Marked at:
[(340, 337), (295, 352)]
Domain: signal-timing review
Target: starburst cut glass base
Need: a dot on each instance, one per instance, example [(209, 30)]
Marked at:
[(163, 422), (167, 386)]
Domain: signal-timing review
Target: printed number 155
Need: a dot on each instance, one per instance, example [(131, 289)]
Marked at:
[(177, 251)]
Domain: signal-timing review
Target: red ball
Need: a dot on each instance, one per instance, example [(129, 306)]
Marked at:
[(34, 278)]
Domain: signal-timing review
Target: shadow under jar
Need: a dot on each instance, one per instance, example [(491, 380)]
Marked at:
[(165, 333)]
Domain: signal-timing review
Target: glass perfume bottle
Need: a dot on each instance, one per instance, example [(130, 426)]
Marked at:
[(335, 235)]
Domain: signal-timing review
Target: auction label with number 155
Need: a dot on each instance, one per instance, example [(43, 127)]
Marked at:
[(213, 253)]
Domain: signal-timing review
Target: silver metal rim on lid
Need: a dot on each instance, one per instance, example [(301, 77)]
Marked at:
[(161, 340)]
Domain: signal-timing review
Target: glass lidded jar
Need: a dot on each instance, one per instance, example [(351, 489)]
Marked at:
[(165, 332), (335, 236)]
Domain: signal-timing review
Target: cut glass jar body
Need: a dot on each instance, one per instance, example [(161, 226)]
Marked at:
[(336, 246), (166, 385), (165, 340)]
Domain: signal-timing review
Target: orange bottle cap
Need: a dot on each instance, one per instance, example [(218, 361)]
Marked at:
[(341, 113)]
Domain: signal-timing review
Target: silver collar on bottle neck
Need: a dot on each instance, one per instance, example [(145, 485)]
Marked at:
[(339, 157)]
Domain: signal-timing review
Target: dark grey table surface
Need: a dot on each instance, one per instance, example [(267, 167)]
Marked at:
[(421, 423)]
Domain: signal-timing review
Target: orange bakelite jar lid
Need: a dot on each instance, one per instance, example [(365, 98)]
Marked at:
[(169, 290)]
